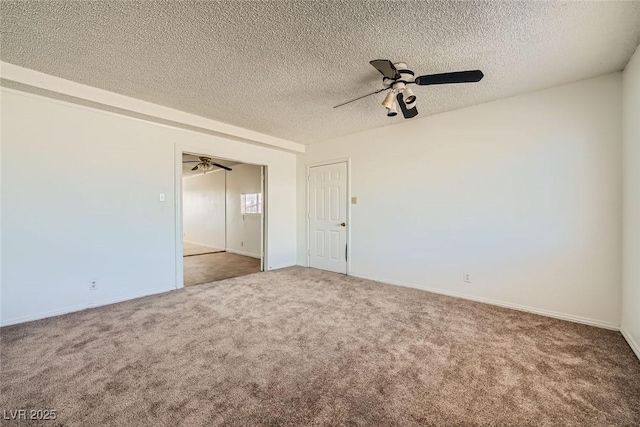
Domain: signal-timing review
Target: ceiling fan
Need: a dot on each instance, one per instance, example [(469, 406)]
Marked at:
[(205, 164), (396, 77)]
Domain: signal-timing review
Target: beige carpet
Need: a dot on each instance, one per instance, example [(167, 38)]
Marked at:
[(302, 347), (219, 266), (191, 249)]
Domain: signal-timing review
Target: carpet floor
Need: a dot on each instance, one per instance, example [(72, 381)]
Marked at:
[(190, 249), (206, 268), (299, 347)]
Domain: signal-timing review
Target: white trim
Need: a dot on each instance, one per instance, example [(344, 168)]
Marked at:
[(542, 312), (179, 150), (329, 162), (81, 307), (249, 254), (47, 82), (346, 160), (634, 345), (202, 244), (179, 230), (263, 220)]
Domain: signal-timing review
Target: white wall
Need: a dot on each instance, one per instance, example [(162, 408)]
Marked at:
[(80, 203), (243, 231), (203, 209), (523, 193), (631, 214)]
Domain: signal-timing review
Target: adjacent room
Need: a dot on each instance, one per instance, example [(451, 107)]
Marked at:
[(319, 213), (222, 217)]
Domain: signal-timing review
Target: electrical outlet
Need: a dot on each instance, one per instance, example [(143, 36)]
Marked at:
[(466, 277), (241, 243), (94, 285), (354, 200)]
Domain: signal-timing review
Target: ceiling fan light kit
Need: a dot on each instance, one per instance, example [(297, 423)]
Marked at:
[(389, 100), (408, 96), (393, 111), (396, 77)]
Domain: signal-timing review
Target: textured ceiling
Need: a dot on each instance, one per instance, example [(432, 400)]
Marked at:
[(280, 67)]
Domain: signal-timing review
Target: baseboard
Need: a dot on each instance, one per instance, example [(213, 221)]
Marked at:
[(534, 310), (73, 309), (202, 244), (249, 254), (634, 345)]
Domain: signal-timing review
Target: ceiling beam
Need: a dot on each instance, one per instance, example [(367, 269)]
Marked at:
[(46, 82)]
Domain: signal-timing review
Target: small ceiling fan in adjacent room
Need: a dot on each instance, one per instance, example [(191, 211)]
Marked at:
[(396, 77), (206, 164)]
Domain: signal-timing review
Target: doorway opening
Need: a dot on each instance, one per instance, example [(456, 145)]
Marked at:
[(223, 211)]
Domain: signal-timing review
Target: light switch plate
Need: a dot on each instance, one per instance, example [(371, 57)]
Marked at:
[(161, 197), (354, 200)]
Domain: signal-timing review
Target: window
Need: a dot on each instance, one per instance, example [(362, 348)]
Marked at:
[(251, 203)]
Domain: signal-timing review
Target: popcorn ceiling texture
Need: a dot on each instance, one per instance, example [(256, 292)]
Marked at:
[(280, 67)]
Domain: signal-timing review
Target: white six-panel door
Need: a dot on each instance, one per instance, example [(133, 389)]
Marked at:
[(328, 217)]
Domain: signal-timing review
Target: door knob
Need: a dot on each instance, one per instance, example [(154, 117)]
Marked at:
[(344, 224)]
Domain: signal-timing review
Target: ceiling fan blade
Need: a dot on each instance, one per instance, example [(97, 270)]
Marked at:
[(407, 113), (222, 166), (386, 68), (360, 97), (195, 168), (446, 78), (192, 161)]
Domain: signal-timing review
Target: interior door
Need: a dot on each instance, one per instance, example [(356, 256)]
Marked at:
[(328, 217)]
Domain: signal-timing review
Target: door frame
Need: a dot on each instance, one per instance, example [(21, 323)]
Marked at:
[(263, 225), (346, 160), (179, 225)]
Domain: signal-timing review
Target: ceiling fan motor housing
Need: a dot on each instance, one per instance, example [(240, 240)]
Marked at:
[(406, 76)]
